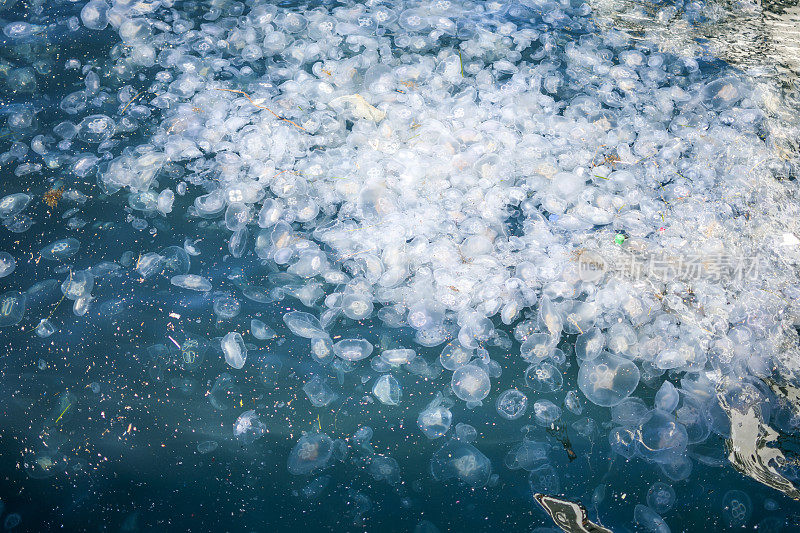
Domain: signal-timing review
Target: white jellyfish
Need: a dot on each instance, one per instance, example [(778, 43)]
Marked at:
[(667, 397), (7, 264), (192, 282), (608, 379), (13, 204), (661, 438), (736, 508), (226, 307), (303, 324), (383, 468), (207, 446), (12, 308), (649, 520), (399, 356), (660, 497), (58, 250), (470, 383), (434, 421), (248, 428), (93, 14), (353, 349), (234, 349), (589, 344), (357, 306), (546, 412), (511, 404), (261, 331), (454, 355), (319, 392), (544, 377), (45, 328), (462, 461), (312, 452), (387, 389)]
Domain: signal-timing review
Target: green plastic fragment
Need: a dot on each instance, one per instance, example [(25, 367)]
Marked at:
[(619, 239)]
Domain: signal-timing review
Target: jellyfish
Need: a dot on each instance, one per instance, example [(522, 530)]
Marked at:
[(319, 392), (12, 521), (226, 307), (434, 421), (589, 344), (13, 204), (660, 497), (538, 346), (462, 461), (511, 404), (546, 412), (623, 441), (544, 377), (608, 379), (649, 520), (312, 452), (543, 479), (207, 446), (303, 324), (248, 428), (78, 284), (454, 355), (399, 356), (12, 308), (224, 392), (736, 508), (661, 438), (44, 329), (7, 264), (261, 331), (383, 468), (470, 383), (175, 261), (353, 349), (387, 390), (357, 306), (234, 349), (322, 349), (58, 250), (192, 282), (667, 397), (573, 402)]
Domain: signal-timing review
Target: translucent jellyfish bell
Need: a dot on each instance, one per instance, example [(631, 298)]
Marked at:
[(192, 282), (454, 355), (546, 412), (12, 308), (511, 404), (78, 284), (303, 324), (59, 250), (248, 428), (387, 389), (435, 419), (649, 520), (261, 331), (399, 356), (608, 379), (544, 377), (175, 260), (353, 349), (736, 508), (226, 307), (462, 461), (7, 264), (660, 497), (661, 438), (207, 446), (234, 349), (312, 452), (13, 204), (589, 344), (357, 306), (470, 383), (667, 397), (319, 392)]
